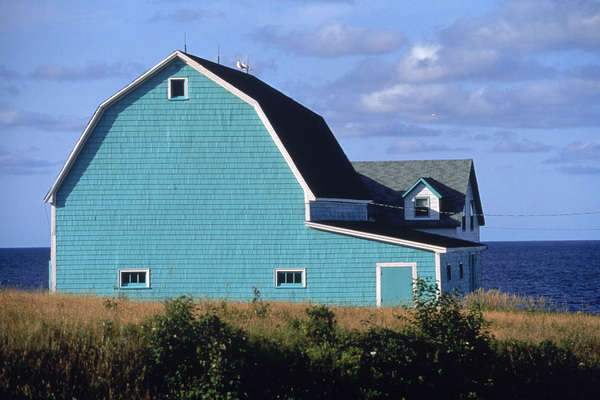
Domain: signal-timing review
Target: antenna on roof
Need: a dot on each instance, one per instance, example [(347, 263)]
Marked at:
[(218, 54), (185, 42)]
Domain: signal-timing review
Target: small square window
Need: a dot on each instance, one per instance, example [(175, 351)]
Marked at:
[(422, 207), (134, 278), (290, 278), (460, 271), (449, 272), (178, 88)]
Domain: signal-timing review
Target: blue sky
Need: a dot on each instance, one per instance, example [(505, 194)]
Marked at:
[(514, 85)]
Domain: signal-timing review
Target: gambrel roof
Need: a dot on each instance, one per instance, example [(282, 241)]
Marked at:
[(317, 160), (303, 137), (387, 181)]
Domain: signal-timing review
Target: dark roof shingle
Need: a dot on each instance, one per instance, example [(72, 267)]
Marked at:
[(388, 180)]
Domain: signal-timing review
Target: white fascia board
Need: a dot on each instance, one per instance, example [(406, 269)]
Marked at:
[(52, 287), (50, 196), (438, 273), (379, 238), (308, 194)]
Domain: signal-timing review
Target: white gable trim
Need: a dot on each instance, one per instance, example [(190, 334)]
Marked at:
[(379, 238), (50, 196)]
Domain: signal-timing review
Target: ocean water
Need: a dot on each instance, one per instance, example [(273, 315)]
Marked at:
[(566, 272)]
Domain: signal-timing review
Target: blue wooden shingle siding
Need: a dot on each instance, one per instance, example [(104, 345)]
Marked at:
[(337, 211), (471, 279), (198, 192)]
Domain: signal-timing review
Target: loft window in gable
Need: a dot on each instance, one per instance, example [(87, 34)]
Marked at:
[(178, 88)]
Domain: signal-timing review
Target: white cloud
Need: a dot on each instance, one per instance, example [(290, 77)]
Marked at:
[(387, 127), (510, 145), (332, 40), (90, 71), (182, 16), (579, 170), (531, 25), (419, 146), (23, 164), (17, 118)]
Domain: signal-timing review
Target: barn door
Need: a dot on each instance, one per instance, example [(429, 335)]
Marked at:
[(395, 283)]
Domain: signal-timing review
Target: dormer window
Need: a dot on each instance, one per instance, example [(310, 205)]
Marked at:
[(422, 202), (422, 207), (178, 88)]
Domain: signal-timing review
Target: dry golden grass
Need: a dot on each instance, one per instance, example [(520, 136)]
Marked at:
[(22, 311), (64, 308)]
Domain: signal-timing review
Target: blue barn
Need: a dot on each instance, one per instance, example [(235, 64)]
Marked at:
[(203, 180)]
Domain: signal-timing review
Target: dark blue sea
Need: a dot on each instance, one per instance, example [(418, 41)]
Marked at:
[(565, 272)]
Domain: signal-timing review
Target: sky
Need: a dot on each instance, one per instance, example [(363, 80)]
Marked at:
[(513, 85)]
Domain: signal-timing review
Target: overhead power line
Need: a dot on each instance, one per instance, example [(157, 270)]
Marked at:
[(557, 214)]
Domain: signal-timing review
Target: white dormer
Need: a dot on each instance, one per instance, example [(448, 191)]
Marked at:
[(422, 202)]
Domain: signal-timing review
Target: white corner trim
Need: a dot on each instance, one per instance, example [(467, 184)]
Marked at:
[(94, 120), (251, 101), (379, 238), (378, 268), (53, 247), (438, 273)]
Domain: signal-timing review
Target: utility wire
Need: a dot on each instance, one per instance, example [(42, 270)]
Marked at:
[(500, 215), (538, 229)]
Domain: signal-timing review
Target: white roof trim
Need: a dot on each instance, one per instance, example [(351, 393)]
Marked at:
[(379, 238), (50, 196)]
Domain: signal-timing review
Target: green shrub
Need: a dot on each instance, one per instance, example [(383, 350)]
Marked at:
[(194, 358)]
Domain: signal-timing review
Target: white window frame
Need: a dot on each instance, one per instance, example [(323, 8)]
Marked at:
[(428, 206), (301, 270), (145, 270), (185, 88)]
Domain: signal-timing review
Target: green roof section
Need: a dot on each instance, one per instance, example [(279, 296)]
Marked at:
[(427, 185), (388, 181)]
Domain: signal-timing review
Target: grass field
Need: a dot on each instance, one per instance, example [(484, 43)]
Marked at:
[(68, 346), (507, 316)]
